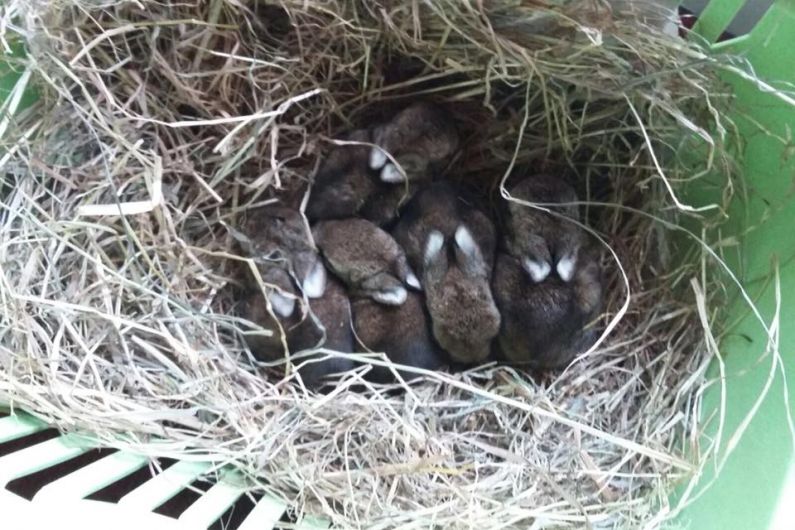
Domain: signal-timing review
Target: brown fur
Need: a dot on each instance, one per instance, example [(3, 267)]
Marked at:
[(277, 237), (332, 311), (422, 138), (401, 332), (464, 315), (544, 324), (442, 207), (465, 318), (362, 255), (344, 184), (537, 234)]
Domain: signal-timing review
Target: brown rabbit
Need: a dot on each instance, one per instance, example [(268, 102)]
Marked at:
[(357, 179), (545, 324), (458, 293), (422, 138), (443, 208), (327, 325), (344, 185), (544, 243), (401, 332), (366, 259), (277, 237)]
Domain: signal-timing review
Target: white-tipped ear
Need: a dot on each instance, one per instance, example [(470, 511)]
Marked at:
[(565, 268), (391, 174), (392, 296), (377, 158), (282, 305), (413, 282), (433, 246), (315, 282), (538, 270), (465, 241)]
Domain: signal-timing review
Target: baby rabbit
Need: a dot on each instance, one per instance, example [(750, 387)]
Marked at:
[(463, 313), (326, 325), (422, 138), (540, 240), (277, 237), (401, 332), (366, 259), (343, 184), (357, 179), (451, 244), (544, 324)]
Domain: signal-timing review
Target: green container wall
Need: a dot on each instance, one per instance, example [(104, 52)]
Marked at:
[(750, 490)]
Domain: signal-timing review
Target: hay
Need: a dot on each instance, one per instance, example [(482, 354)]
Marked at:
[(184, 116)]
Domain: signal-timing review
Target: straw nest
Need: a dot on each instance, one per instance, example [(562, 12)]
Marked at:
[(183, 116)]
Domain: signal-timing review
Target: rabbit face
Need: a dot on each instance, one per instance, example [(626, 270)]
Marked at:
[(421, 138), (456, 279), (343, 184), (546, 244), (366, 259), (277, 238), (401, 332), (544, 324)]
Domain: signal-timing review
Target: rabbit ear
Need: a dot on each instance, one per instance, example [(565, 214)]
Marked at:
[(412, 281), (433, 246), (314, 284), (538, 270), (391, 295), (468, 252), (435, 258), (282, 305), (392, 175), (377, 158), (565, 267)]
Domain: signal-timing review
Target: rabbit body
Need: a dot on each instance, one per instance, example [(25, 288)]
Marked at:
[(401, 332)]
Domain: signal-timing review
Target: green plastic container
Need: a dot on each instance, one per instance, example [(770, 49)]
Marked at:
[(756, 486)]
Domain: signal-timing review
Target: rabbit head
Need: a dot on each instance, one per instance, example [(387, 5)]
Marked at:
[(456, 278), (442, 208), (277, 237), (545, 244), (422, 138), (343, 183), (366, 259), (326, 324)]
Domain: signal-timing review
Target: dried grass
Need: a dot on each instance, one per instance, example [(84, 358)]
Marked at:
[(183, 116)]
